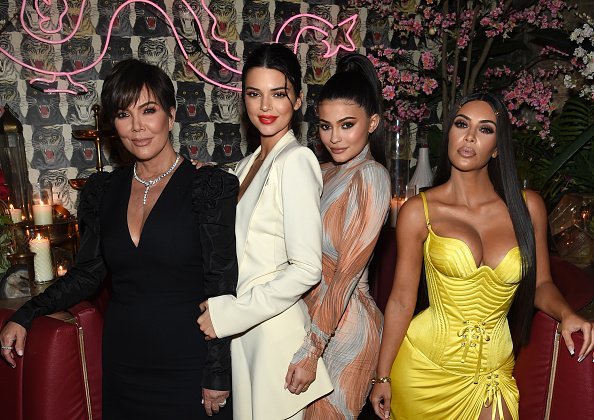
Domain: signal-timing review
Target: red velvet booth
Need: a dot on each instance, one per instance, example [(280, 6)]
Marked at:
[(552, 384), (59, 377)]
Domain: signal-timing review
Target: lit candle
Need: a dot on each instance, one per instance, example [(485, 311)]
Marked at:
[(15, 214), (42, 214), (61, 271), (395, 204), (42, 261)]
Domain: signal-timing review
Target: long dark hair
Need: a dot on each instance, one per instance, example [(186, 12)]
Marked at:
[(123, 85), (503, 174), (276, 57), (356, 80)]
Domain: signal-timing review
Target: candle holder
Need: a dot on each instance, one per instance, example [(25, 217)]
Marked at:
[(43, 201), (14, 162), (62, 266), (398, 200), (399, 154), (97, 136)]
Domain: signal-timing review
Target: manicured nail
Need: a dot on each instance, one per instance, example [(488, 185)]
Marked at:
[(581, 358), (20, 352), (571, 350)]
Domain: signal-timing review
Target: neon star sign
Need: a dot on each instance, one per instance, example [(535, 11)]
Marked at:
[(47, 32)]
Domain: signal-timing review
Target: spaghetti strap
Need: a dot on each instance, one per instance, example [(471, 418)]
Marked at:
[(425, 207)]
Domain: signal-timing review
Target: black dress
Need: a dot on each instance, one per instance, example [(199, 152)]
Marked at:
[(155, 358)]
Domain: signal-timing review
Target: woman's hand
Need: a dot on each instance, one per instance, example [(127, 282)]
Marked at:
[(298, 378), (12, 337), (213, 400), (572, 323), (381, 397), (203, 306), (205, 323), (199, 164)]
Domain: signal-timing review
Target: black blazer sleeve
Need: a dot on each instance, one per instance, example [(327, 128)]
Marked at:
[(89, 269), (214, 200)]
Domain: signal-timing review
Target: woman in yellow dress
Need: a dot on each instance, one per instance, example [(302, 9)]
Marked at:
[(483, 243)]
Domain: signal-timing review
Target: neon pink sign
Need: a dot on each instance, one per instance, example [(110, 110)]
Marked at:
[(348, 23), (47, 32)]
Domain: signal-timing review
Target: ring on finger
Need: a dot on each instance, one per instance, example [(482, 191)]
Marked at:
[(222, 404), (6, 347)]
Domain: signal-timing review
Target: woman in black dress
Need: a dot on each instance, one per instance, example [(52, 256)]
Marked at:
[(165, 234)]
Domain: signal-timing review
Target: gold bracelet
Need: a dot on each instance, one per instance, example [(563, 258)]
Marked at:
[(381, 380)]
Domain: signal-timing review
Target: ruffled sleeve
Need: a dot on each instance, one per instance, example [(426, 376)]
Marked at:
[(214, 199), (89, 269)]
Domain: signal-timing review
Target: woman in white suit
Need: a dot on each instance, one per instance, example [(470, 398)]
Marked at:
[(279, 233)]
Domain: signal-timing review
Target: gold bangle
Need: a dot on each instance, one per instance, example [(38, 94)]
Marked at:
[(381, 380)]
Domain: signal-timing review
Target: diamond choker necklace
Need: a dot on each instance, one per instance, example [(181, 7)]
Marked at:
[(152, 182)]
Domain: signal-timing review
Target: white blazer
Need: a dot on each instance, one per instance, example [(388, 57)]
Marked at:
[(278, 231)]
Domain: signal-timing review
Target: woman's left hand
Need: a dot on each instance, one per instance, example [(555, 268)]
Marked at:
[(572, 323), (205, 324), (214, 400)]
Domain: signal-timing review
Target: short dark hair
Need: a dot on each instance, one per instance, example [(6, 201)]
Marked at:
[(123, 85), (504, 176), (276, 57), (356, 80)]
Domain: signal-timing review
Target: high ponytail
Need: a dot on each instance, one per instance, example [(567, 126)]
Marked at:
[(356, 80)]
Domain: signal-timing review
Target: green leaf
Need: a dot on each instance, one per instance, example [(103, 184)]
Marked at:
[(571, 150)]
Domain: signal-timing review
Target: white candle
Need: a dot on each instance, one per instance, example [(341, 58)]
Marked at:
[(42, 214), (61, 271), (15, 214), (42, 261)]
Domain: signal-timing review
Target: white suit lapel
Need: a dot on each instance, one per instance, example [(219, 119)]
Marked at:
[(251, 197)]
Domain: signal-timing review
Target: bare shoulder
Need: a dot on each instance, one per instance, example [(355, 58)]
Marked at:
[(412, 207), (411, 218), (536, 206)]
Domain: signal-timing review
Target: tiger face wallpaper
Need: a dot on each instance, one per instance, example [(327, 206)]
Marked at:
[(193, 142), (48, 148), (96, 34), (191, 101)]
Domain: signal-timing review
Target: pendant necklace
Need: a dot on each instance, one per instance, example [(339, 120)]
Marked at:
[(152, 182)]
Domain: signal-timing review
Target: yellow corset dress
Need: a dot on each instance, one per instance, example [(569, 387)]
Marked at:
[(457, 356)]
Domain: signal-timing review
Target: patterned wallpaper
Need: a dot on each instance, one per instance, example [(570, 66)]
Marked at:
[(208, 118)]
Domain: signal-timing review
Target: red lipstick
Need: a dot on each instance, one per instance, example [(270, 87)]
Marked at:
[(267, 119)]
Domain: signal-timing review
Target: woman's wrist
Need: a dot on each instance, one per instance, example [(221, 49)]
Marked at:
[(381, 380)]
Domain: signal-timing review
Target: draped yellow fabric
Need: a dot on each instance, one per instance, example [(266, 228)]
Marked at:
[(457, 356)]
